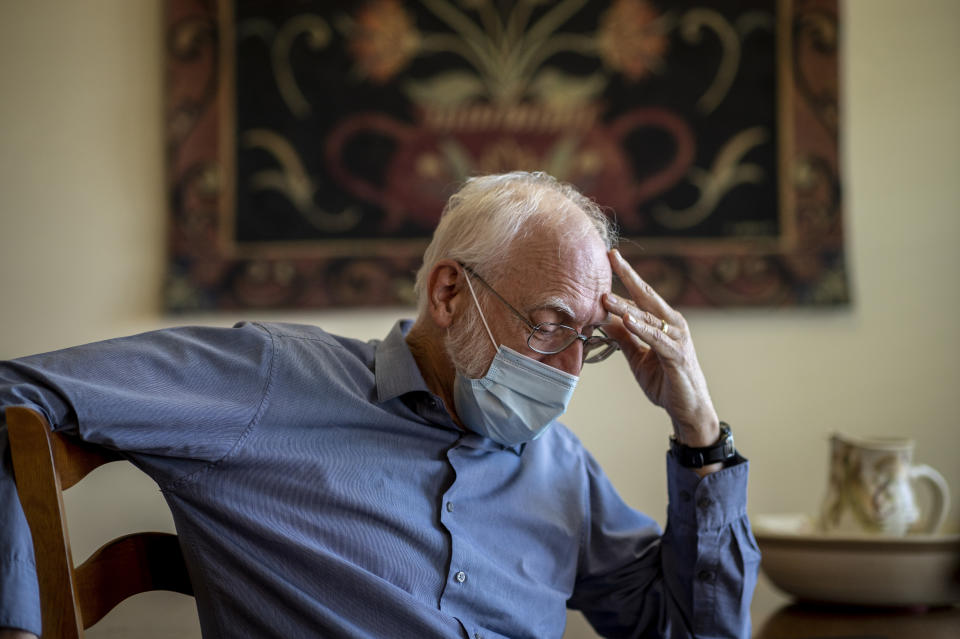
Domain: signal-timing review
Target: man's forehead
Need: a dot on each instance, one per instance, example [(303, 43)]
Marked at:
[(561, 266), (581, 300), (572, 289)]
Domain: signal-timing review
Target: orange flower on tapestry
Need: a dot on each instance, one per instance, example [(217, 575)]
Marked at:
[(632, 38), (384, 39)]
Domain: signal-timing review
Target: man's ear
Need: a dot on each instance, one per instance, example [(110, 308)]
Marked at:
[(444, 292)]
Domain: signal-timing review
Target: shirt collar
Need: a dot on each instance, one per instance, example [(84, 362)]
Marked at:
[(397, 374), (395, 369)]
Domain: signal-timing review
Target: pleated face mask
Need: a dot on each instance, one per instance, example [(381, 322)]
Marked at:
[(517, 399)]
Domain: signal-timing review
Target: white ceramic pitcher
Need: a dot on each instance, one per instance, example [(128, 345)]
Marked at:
[(871, 488)]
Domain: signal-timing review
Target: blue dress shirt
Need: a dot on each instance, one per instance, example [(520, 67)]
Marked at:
[(320, 489)]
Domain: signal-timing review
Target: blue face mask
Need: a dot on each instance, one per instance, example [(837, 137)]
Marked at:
[(517, 399)]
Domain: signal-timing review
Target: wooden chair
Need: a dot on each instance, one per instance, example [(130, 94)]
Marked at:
[(74, 598)]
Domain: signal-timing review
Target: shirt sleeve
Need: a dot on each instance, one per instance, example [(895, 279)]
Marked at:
[(696, 579), (174, 401), (19, 594)]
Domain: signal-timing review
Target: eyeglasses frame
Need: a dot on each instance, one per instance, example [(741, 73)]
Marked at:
[(611, 344)]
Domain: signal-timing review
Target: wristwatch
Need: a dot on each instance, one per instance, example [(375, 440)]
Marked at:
[(690, 457)]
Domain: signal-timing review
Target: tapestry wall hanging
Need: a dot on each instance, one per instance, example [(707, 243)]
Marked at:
[(312, 144)]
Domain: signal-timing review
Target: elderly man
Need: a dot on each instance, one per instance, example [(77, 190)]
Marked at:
[(419, 486)]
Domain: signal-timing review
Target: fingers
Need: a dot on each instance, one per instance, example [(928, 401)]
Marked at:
[(650, 329), (646, 316), (629, 312), (642, 293), (656, 341), (643, 328)]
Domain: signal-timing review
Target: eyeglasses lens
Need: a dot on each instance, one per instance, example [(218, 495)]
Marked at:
[(550, 338)]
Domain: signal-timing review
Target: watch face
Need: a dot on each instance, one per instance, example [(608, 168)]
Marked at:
[(729, 450)]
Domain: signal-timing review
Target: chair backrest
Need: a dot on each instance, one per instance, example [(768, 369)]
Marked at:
[(74, 598)]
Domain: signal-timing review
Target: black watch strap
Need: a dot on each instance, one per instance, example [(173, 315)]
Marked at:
[(690, 457)]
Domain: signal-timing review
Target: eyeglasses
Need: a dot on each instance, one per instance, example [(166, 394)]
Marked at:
[(549, 338)]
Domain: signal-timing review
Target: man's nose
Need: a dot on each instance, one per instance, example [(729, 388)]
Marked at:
[(569, 360)]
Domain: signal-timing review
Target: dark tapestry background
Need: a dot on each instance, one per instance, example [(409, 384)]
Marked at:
[(314, 143)]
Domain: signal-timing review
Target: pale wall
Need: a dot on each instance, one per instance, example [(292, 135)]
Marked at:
[(82, 240)]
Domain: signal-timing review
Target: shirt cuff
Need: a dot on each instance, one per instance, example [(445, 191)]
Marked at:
[(19, 596), (715, 501)]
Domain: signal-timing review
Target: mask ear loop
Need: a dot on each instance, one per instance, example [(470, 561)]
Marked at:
[(482, 318)]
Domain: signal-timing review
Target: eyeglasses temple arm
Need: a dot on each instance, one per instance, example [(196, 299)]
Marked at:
[(498, 296)]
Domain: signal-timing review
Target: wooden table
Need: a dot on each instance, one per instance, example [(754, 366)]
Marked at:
[(777, 616)]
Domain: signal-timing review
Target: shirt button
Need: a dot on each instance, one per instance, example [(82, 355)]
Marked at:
[(449, 506), (461, 577), (706, 575), (685, 496), (704, 503)]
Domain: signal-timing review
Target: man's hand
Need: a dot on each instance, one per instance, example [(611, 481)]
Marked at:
[(657, 344)]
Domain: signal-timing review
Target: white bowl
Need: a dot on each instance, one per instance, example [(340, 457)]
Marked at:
[(866, 570)]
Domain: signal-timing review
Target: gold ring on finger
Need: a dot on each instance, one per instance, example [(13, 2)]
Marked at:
[(665, 327)]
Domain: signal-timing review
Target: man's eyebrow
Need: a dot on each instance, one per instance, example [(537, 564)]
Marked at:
[(557, 304), (560, 305)]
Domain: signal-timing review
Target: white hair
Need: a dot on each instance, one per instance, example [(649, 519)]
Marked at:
[(467, 347), (489, 214)]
